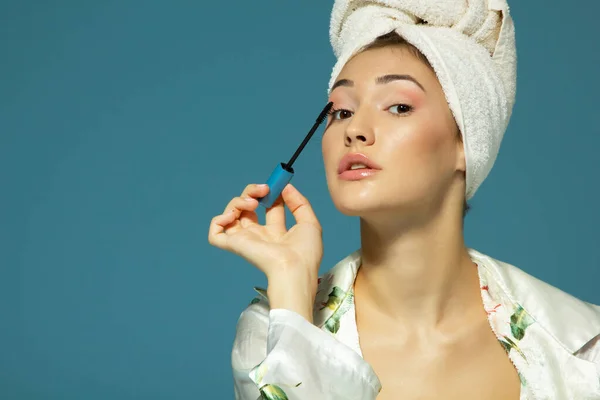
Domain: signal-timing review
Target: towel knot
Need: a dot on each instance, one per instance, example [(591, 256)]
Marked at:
[(481, 20)]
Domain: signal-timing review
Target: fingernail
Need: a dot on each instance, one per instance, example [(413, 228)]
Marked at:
[(248, 199), (262, 185)]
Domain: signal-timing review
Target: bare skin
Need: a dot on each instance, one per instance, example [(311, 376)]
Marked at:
[(460, 358)]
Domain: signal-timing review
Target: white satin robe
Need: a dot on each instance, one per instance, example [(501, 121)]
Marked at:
[(551, 337)]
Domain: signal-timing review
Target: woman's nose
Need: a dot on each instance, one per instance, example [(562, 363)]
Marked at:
[(359, 132)]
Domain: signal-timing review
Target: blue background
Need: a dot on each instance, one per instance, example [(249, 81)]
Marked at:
[(125, 126)]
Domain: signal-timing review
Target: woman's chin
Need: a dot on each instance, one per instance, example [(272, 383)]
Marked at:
[(357, 207), (376, 207)]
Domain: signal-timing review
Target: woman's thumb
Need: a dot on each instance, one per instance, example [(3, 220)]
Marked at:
[(299, 206)]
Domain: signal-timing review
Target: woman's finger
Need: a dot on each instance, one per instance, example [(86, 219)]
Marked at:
[(216, 232), (248, 216), (246, 204), (244, 209), (299, 206), (241, 204), (255, 190), (275, 216)]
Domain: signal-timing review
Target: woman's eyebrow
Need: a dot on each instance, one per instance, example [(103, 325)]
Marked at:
[(342, 82), (394, 77), (382, 80)]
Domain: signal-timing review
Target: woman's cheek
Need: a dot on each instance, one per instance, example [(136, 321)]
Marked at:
[(327, 151)]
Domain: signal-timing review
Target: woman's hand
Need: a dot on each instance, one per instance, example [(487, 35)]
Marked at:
[(289, 258)]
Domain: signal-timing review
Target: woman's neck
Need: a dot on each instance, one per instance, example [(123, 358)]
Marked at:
[(420, 273)]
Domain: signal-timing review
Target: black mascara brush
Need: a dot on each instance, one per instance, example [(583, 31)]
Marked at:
[(283, 173)]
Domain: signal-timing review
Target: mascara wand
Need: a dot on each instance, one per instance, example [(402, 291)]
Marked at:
[(283, 173)]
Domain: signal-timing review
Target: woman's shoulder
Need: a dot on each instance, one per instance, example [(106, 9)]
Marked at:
[(250, 342), (559, 312)]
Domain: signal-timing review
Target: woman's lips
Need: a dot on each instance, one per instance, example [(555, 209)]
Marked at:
[(367, 167), (357, 174)]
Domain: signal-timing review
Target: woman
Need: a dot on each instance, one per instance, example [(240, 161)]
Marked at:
[(422, 93)]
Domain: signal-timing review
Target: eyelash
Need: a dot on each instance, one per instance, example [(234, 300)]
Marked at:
[(400, 114)]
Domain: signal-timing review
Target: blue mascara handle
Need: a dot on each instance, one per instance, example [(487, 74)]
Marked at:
[(279, 178)]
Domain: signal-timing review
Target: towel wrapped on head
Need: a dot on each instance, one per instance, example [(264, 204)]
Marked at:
[(471, 46)]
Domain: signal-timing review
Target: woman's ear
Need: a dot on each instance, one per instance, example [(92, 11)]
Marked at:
[(461, 162)]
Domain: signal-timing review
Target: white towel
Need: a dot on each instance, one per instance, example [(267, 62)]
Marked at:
[(471, 46)]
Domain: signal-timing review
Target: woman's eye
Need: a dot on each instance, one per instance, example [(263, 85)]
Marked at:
[(340, 114), (400, 109)]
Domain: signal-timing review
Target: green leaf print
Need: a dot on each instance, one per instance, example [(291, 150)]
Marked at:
[(258, 373), (335, 298), (269, 391), (341, 302), (262, 292), (519, 321), (272, 392), (508, 344), (522, 379), (255, 300)]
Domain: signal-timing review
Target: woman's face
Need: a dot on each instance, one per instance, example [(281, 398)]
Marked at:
[(390, 107)]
